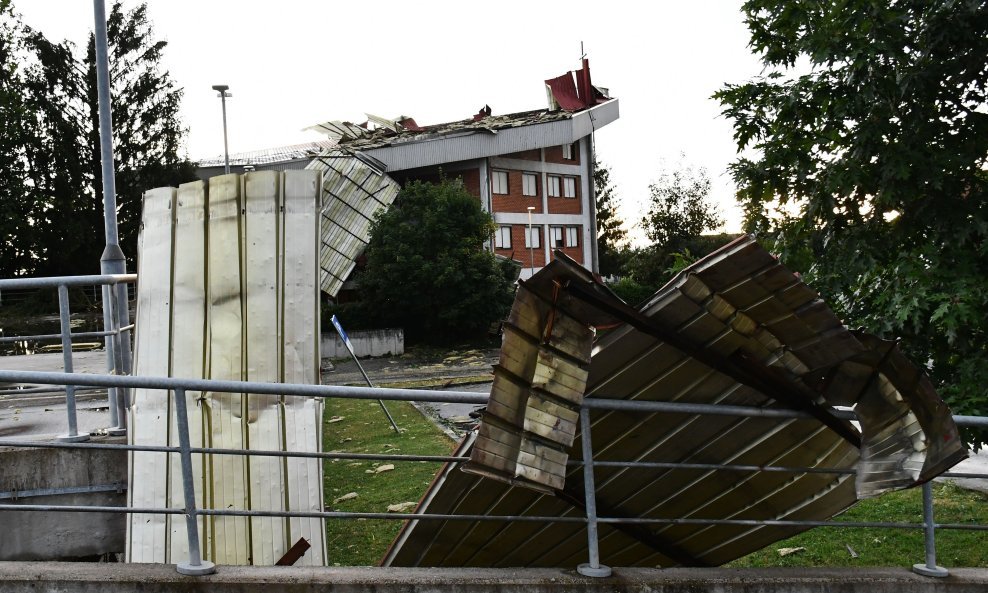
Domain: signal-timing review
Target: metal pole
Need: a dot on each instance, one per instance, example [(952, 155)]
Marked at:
[(226, 148), (221, 89), (63, 313), (593, 568), (111, 365), (531, 242), (930, 569), (196, 566), (380, 401), (122, 393), (112, 261)]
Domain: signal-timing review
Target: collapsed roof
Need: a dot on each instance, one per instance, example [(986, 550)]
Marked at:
[(736, 328)]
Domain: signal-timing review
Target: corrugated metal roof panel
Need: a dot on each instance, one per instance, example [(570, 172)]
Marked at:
[(736, 328), (280, 154), (353, 192)]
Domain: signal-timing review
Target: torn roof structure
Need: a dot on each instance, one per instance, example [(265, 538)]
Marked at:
[(736, 328), (366, 161)]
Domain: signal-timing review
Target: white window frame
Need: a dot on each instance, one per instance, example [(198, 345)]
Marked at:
[(497, 186), (502, 237), (569, 187), (533, 237), (568, 152), (529, 184), (572, 236), (556, 237), (554, 183)]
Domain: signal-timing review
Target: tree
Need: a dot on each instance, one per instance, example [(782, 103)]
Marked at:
[(18, 240), (427, 269), (610, 228), (868, 172), (679, 214), (49, 141)]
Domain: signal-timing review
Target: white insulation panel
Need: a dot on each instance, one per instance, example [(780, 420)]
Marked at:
[(228, 289)]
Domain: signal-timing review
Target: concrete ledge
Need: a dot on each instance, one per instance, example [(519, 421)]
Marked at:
[(374, 342), (35, 577)]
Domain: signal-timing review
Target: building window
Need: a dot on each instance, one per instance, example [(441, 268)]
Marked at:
[(569, 187), (556, 236), (529, 184), (502, 238), (499, 182), (533, 236), (553, 181), (572, 236), (568, 152)]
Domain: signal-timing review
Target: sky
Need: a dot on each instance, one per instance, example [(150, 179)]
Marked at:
[(292, 63)]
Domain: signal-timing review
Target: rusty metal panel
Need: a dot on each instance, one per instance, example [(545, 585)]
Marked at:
[(735, 328)]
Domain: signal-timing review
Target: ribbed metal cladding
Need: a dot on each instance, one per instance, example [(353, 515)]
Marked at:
[(736, 328)]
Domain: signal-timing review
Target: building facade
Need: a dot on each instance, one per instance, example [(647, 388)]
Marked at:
[(532, 171)]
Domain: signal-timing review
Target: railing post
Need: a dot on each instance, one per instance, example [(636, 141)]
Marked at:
[(73, 435), (111, 367), (122, 399), (196, 566), (593, 568), (930, 569)]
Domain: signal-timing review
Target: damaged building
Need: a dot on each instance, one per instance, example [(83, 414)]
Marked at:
[(533, 171)]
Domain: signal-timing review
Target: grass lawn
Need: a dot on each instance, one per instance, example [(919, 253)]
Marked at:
[(363, 428), (827, 546)]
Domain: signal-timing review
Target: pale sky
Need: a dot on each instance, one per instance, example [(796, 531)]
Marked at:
[(290, 64)]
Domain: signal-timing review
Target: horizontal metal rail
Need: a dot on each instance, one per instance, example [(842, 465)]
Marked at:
[(96, 488), (485, 518), (56, 281), (42, 337)]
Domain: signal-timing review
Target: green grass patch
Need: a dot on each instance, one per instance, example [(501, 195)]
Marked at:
[(363, 428), (827, 546)]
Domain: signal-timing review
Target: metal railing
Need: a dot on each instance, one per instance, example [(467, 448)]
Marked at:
[(593, 567), (115, 334)]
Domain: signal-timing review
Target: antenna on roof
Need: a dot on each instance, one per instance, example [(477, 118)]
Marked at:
[(583, 54)]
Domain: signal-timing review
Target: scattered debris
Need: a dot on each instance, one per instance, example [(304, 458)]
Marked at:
[(851, 551), (347, 496), (336, 419), (381, 469), (789, 551), (401, 507)]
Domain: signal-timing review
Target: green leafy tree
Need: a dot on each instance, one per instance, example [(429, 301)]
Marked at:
[(49, 141), (868, 172), (611, 235), (18, 236), (679, 214), (427, 270)]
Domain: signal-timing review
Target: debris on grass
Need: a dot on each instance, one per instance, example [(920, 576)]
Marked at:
[(401, 507), (851, 551), (345, 497), (789, 551), (335, 419)]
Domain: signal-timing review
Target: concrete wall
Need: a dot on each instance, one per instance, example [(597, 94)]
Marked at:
[(38, 535), (376, 342), (37, 577)]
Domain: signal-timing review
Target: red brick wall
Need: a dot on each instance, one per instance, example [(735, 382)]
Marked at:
[(514, 201), (519, 252), (554, 154), (562, 205)]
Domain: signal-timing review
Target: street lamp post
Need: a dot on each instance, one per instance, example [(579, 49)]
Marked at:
[(531, 241), (223, 94)]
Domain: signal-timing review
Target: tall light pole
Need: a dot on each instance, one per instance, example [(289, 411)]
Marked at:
[(531, 241), (223, 94)]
